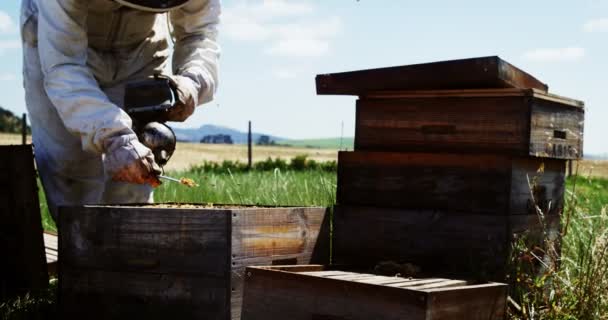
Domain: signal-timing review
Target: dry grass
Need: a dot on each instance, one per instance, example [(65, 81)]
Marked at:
[(188, 154), (593, 168), (10, 138)]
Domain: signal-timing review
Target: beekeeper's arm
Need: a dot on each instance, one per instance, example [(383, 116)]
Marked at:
[(196, 55), (83, 107)]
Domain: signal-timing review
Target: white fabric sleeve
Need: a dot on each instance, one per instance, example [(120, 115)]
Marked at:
[(83, 107), (196, 54)]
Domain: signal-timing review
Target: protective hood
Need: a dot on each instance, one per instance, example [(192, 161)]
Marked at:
[(153, 5)]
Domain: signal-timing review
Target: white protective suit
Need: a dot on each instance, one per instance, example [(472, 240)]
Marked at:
[(78, 56)]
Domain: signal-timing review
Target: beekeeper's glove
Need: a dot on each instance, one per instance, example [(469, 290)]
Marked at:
[(127, 160), (187, 95)]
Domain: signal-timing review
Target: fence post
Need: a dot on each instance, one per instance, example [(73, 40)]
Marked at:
[(24, 129), (249, 151)]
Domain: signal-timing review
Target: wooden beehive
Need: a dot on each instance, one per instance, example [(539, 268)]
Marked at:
[(482, 183), (446, 243), (518, 122), (311, 292), (23, 266), (179, 262), (453, 163)]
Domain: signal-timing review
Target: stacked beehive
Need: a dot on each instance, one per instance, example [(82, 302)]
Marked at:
[(453, 162)]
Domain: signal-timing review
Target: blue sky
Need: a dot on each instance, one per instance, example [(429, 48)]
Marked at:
[(273, 49)]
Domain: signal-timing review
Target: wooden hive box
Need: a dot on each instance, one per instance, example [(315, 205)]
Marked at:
[(480, 184), (442, 243), (474, 73), (311, 292), (177, 262), (518, 122), (23, 266)]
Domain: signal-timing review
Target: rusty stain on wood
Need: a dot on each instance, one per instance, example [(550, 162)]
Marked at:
[(285, 228), (273, 245)]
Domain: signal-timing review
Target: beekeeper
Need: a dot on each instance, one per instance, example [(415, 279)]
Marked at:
[(77, 58)]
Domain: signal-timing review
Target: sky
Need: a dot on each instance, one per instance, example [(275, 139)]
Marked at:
[(272, 50)]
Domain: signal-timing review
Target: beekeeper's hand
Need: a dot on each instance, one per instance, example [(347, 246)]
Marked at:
[(127, 160), (186, 98)]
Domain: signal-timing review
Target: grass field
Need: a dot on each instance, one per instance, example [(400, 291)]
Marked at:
[(347, 143)]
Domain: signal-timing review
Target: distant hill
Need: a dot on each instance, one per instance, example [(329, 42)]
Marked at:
[(239, 137), (10, 123), (326, 143)]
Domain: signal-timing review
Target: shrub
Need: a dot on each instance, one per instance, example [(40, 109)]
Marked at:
[(298, 163)]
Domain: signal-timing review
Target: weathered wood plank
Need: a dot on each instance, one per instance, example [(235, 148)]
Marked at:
[(279, 233), (486, 302), (282, 295), (146, 240), (443, 284), (535, 183), (185, 247), (141, 295), (456, 124), (324, 273), (51, 248), (281, 236), (520, 123), (274, 294), (383, 280), (441, 243), (351, 277), (484, 184), (23, 267), (475, 73), (411, 283), (556, 131)]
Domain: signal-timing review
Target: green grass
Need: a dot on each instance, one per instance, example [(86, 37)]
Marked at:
[(327, 143), (274, 188), (47, 221)]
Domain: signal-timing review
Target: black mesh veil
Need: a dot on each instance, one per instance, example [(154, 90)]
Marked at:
[(153, 5)]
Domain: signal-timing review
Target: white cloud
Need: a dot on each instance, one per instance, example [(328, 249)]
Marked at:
[(596, 25), (7, 77), (6, 23), (290, 29), (555, 54)]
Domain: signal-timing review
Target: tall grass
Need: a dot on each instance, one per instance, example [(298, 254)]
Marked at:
[(274, 188), (573, 284)]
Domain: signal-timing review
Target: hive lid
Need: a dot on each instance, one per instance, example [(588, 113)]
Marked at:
[(474, 73)]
